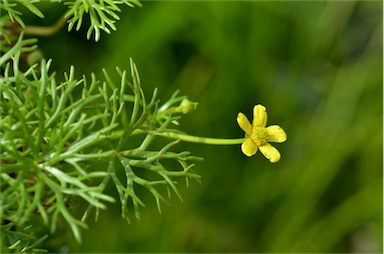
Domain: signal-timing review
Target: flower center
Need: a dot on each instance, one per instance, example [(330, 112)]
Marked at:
[(259, 136)]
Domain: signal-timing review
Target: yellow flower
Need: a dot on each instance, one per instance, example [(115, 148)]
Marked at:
[(257, 136)]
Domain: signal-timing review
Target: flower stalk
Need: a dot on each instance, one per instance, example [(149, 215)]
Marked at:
[(201, 140)]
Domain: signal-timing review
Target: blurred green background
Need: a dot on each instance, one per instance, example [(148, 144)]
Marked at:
[(316, 66)]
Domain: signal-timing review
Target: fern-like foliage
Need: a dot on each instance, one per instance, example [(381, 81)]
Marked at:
[(52, 134), (14, 14), (102, 14), (64, 142)]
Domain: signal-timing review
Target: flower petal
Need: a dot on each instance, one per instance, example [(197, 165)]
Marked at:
[(244, 123), (248, 147), (259, 116), (270, 152), (276, 134)]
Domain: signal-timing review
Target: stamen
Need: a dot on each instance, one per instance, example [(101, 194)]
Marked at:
[(259, 136)]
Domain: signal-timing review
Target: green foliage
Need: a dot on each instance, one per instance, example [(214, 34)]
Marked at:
[(53, 133), (51, 136), (21, 46), (14, 14), (102, 14)]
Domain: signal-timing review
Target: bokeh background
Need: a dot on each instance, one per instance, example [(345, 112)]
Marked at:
[(317, 67)]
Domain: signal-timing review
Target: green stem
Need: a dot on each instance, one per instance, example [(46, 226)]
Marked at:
[(119, 133), (46, 31), (201, 140), (182, 137)]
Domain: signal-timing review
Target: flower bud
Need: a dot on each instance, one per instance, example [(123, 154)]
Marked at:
[(186, 106)]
